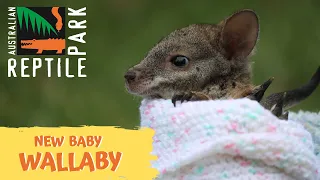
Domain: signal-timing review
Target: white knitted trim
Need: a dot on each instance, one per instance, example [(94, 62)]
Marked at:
[(311, 122), (227, 139)]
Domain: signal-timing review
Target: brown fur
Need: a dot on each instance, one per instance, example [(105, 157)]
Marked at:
[(218, 55)]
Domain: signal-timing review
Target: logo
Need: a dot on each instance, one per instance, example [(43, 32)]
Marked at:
[(41, 31), (44, 31)]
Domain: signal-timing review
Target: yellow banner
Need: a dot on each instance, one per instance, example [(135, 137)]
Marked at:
[(76, 153)]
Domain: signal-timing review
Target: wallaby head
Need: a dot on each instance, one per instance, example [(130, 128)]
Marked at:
[(198, 57)]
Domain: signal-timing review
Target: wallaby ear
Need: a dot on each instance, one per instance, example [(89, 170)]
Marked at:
[(239, 34)]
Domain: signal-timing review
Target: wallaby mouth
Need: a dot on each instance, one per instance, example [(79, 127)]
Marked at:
[(134, 84), (137, 89)]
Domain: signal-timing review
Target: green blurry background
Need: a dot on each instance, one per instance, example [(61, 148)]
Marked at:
[(119, 34)]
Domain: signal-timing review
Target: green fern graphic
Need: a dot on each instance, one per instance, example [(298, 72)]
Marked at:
[(34, 18)]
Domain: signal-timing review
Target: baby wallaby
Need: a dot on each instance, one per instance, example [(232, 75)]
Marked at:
[(199, 62), (209, 61)]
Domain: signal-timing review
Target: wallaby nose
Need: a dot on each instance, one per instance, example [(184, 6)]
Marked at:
[(130, 76)]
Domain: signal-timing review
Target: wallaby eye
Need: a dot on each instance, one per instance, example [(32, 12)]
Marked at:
[(180, 61)]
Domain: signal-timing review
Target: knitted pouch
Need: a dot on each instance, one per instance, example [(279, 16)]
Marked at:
[(228, 139)]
